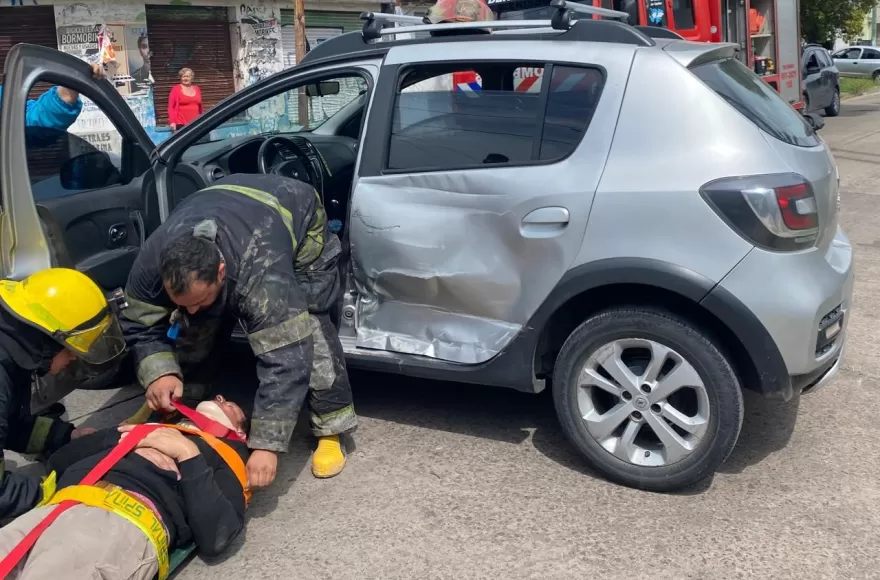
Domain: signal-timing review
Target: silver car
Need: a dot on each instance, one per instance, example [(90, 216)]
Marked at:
[(639, 224), (858, 62)]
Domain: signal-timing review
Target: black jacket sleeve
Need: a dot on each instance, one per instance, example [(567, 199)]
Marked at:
[(18, 493), (214, 503), (81, 448), (145, 322), (274, 310)]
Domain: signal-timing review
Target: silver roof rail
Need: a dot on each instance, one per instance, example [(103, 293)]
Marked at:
[(374, 25), (592, 10)]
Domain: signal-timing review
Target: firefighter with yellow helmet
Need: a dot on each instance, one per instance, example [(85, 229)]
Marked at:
[(47, 320)]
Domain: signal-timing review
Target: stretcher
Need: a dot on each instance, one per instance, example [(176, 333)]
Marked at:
[(88, 493)]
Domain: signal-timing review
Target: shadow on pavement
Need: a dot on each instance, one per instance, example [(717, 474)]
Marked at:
[(509, 416), (767, 428)]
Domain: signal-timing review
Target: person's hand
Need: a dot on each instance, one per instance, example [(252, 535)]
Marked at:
[(261, 467), (174, 126), (162, 391), (159, 459), (82, 432), (98, 72), (171, 442)]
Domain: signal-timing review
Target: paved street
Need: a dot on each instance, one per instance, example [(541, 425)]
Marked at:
[(466, 483)]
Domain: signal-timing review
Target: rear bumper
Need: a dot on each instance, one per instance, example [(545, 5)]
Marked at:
[(812, 382), (798, 298)]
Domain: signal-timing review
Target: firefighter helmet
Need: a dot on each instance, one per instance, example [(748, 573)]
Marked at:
[(69, 307)]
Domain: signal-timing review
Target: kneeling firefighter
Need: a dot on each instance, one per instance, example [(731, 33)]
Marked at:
[(255, 251), (47, 320)]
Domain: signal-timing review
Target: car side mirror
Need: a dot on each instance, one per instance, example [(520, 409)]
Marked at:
[(323, 89), (92, 170), (815, 121)]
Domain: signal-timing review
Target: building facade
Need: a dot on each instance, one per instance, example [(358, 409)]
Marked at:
[(229, 46)]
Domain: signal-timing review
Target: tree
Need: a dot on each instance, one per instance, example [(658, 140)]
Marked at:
[(824, 20)]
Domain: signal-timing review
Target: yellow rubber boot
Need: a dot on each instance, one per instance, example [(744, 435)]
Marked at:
[(328, 459)]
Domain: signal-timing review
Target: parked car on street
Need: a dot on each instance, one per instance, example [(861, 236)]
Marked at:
[(640, 224), (821, 81), (858, 62)]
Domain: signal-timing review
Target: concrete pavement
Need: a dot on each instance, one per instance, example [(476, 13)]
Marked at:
[(462, 482)]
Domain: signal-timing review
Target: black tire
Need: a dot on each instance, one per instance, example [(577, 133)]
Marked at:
[(876, 76), (722, 387), (833, 109)]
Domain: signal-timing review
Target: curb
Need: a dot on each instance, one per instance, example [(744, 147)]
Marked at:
[(866, 94)]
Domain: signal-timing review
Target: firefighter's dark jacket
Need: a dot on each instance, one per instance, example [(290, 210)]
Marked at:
[(271, 232), (23, 352)]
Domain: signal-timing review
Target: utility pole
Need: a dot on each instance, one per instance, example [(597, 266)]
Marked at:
[(299, 35), (874, 25)]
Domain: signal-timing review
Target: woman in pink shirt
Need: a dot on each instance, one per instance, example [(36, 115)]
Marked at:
[(185, 101)]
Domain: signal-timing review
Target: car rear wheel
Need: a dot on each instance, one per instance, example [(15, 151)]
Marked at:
[(833, 109), (876, 76), (648, 399)]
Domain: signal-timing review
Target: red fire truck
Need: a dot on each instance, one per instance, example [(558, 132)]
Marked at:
[(767, 30)]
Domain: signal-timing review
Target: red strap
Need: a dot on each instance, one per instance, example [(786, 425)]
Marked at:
[(24, 546), (206, 424)]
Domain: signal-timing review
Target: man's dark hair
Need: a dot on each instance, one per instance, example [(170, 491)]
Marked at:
[(189, 259)]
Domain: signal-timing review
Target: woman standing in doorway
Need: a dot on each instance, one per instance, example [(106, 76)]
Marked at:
[(185, 101)]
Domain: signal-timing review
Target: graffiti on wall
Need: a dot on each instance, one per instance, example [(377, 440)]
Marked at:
[(259, 53)]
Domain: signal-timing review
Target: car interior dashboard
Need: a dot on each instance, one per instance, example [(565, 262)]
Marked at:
[(324, 161)]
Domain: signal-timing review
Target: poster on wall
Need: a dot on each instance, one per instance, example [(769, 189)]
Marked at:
[(138, 58)]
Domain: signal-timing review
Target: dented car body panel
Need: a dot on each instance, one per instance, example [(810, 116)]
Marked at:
[(452, 264)]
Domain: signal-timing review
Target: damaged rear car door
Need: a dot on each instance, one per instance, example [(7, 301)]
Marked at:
[(472, 202)]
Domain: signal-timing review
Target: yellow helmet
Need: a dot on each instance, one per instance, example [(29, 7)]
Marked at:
[(68, 306)]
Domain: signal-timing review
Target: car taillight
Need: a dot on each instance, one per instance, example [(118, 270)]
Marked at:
[(777, 212)]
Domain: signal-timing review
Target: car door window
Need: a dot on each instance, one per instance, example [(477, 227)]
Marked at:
[(812, 60), (852, 54), (824, 59), (61, 163), (489, 114), (870, 54)]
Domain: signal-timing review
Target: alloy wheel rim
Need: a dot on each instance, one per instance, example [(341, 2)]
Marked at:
[(643, 402)]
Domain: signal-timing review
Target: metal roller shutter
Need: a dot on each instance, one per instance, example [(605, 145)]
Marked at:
[(320, 25), (195, 37), (31, 24)]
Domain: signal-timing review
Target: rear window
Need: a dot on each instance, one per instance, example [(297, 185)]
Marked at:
[(757, 101)]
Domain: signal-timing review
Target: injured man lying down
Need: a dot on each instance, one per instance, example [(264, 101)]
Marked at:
[(177, 485)]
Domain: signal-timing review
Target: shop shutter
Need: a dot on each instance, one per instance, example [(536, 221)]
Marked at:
[(320, 25), (31, 24), (195, 37)]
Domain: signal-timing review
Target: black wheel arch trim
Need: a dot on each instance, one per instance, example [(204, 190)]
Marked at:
[(514, 366)]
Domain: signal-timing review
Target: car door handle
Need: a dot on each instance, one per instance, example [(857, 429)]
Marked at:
[(116, 235), (545, 222)]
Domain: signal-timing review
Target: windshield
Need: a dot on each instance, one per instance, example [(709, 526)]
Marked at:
[(296, 110)]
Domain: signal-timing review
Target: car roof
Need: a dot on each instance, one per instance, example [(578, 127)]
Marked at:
[(365, 43)]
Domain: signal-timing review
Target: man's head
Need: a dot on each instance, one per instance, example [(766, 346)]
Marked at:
[(226, 413), (144, 48), (459, 11), (193, 272)]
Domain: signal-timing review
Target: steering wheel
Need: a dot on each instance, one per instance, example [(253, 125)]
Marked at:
[(291, 168)]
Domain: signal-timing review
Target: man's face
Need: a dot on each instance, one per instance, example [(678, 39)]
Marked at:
[(200, 295), (60, 361), (144, 48)]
